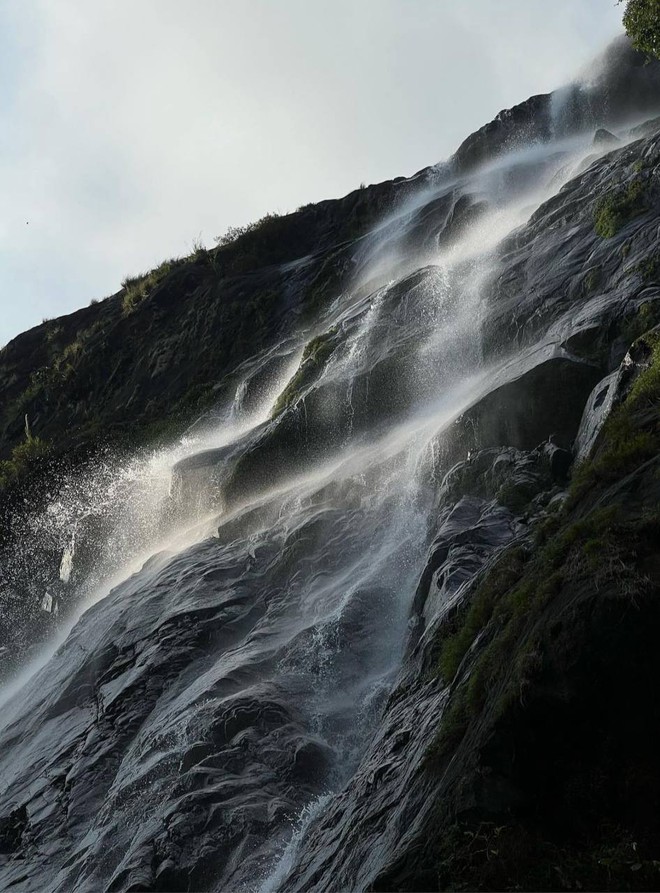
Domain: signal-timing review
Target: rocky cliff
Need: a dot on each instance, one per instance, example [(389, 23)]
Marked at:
[(384, 617)]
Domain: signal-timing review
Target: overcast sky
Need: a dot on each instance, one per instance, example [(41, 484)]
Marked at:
[(130, 128)]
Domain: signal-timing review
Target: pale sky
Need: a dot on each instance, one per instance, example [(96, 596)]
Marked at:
[(131, 128)]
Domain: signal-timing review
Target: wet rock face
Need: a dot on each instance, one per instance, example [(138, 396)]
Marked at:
[(391, 797), (561, 272), (290, 659), (524, 412), (562, 292), (469, 532), (512, 477), (604, 138), (625, 84), (194, 712), (350, 844), (553, 768), (561, 724), (622, 87), (158, 764), (528, 122)]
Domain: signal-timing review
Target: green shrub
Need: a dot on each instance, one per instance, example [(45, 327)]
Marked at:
[(233, 233), (199, 250), (647, 385), (641, 20), (482, 855), (453, 725), (53, 334), (261, 243), (137, 288), (600, 547), (622, 457), (516, 496), (23, 457)]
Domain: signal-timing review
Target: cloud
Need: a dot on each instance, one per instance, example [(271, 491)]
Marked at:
[(130, 127)]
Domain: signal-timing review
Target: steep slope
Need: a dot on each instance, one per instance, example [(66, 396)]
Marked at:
[(518, 749), (174, 340), (311, 645), (167, 343)]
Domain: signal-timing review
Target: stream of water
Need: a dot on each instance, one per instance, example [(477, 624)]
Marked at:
[(227, 659)]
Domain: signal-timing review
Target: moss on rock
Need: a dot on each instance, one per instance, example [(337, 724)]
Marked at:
[(316, 354), (618, 208)]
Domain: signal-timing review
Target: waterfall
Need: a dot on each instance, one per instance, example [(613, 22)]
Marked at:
[(243, 597)]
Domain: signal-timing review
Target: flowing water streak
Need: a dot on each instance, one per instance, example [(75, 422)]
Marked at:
[(123, 511), (324, 564), (449, 316)]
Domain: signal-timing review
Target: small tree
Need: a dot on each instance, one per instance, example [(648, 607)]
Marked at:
[(642, 23)]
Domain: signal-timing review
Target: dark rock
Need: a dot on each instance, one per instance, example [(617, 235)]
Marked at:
[(233, 691), (559, 460), (603, 138), (12, 829), (646, 129), (609, 393), (526, 123), (530, 408), (468, 535), (548, 771)]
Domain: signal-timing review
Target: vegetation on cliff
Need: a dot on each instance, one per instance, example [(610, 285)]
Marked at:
[(24, 456), (316, 354), (139, 366), (641, 20), (552, 667), (618, 208), (547, 666)]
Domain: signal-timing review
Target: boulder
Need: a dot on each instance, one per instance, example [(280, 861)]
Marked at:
[(603, 138)]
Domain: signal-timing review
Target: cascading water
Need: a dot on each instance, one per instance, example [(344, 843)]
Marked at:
[(202, 712)]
